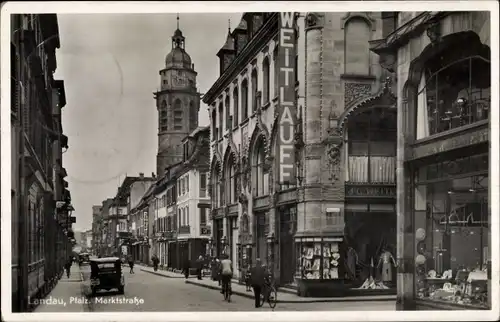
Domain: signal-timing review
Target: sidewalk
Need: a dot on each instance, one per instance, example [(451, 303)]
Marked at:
[(66, 295), (286, 296), (159, 272)]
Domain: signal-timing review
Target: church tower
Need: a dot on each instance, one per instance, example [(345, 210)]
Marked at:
[(177, 102)]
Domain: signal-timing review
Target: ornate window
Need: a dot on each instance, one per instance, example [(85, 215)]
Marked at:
[(163, 119), (217, 188), (230, 182), (276, 71), (260, 176), (372, 147), (235, 107), (214, 125), (357, 49), (254, 89), (452, 93), (228, 112), (221, 120), (266, 84), (178, 115), (244, 100)]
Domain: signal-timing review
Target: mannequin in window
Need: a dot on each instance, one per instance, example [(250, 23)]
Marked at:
[(387, 262)]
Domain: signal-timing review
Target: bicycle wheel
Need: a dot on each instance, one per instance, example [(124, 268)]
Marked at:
[(272, 297), (262, 297)]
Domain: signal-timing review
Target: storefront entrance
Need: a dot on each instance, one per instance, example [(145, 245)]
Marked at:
[(370, 237), (288, 224)]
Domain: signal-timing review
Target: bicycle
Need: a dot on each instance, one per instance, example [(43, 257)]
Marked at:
[(269, 294)]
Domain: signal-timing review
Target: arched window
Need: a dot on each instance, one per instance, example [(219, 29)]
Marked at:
[(178, 115), (216, 188), (228, 112), (214, 125), (221, 120), (235, 107), (193, 116), (266, 85), (276, 71), (254, 90), (163, 124), (230, 182), (244, 100), (357, 48), (259, 173), (372, 147), (453, 92)]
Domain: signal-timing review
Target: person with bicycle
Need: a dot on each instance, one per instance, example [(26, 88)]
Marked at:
[(258, 275), (226, 270)]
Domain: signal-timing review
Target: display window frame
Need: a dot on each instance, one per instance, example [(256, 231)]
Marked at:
[(439, 277), (311, 252)]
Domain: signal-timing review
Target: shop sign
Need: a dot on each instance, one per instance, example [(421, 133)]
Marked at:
[(168, 234), (205, 230), (371, 191), (287, 108), (452, 143)]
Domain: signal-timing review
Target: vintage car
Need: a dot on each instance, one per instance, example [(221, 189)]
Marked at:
[(106, 274), (83, 258)]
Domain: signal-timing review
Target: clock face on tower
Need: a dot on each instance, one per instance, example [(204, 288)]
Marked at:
[(179, 81)]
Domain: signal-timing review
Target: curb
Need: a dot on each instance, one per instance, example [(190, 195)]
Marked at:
[(159, 274), (339, 299)]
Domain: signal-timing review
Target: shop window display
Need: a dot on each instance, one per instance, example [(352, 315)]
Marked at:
[(452, 94), (318, 259), (451, 232)]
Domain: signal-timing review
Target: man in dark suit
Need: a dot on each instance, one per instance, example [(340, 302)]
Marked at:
[(257, 277)]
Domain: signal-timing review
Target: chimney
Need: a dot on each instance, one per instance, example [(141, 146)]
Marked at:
[(141, 175)]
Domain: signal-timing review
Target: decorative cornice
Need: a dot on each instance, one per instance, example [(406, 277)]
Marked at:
[(259, 40), (385, 92)]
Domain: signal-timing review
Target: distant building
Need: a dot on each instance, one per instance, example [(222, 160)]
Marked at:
[(88, 240), (178, 103)]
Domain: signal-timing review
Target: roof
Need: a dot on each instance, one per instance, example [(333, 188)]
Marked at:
[(105, 259), (124, 189)]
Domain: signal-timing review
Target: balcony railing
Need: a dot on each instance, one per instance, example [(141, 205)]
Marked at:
[(372, 169), (184, 229)]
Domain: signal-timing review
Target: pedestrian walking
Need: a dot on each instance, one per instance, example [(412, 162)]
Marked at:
[(248, 276), (67, 266), (131, 264), (186, 268), (257, 276), (155, 261), (199, 266)]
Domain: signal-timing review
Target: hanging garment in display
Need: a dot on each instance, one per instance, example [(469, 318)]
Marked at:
[(387, 262), (351, 262)]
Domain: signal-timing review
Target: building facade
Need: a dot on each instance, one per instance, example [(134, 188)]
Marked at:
[(41, 202), (444, 96), (138, 219), (177, 102), (96, 228), (303, 169), (181, 231), (244, 109)]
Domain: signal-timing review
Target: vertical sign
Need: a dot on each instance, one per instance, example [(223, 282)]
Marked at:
[(287, 100)]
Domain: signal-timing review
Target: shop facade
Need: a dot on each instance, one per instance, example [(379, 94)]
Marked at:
[(444, 250)]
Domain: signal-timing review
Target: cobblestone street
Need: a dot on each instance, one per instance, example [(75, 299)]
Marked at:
[(145, 292)]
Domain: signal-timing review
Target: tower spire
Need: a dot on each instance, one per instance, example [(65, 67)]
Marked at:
[(229, 25), (177, 20)]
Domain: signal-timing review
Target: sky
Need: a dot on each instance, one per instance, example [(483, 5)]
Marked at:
[(110, 64)]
